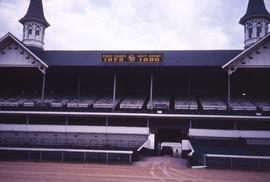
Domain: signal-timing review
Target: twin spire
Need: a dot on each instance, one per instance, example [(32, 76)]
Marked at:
[(34, 25), (255, 20)]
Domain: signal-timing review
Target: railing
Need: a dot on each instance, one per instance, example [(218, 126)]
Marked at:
[(108, 155), (235, 160)]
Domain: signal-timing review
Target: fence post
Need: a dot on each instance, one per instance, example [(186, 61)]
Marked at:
[(62, 156), (130, 159), (40, 155), (231, 162), (259, 163), (204, 160)]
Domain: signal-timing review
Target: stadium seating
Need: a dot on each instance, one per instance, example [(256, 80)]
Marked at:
[(242, 105), (263, 104), (106, 102), (213, 104), (133, 102), (162, 103), (182, 103)]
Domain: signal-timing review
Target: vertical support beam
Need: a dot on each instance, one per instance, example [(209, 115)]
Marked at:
[(27, 123), (204, 160), (189, 84), (259, 163), (107, 122), (43, 86), (234, 125), (107, 158), (79, 86), (62, 157), (229, 91), (151, 90), (148, 123), (130, 158), (84, 157), (190, 124), (114, 89), (40, 155), (66, 125)]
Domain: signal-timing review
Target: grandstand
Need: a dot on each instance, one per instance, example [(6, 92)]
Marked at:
[(110, 106)]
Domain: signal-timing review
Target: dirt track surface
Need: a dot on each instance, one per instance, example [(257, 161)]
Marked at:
[(150, 169)]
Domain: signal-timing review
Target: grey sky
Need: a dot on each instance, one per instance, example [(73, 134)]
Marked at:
[(134, 24)]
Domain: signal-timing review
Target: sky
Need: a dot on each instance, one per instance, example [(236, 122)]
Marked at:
[(134, 24)]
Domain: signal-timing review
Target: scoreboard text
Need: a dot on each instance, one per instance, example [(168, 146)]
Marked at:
[(132, 58)]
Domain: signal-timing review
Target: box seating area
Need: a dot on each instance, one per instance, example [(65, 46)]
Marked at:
[(242, 105), (57, 140), (133, 102), (233, 150), (213, 104), (263, 105), (105, 102), (180, 103), (226, 147), (262, 149), (162, 103)]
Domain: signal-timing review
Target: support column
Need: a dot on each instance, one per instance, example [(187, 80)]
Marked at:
[(189, 84), (229, 91), (114, 89), (130, 158), (148, 123), (151, 90), (79, 87), (43, 86)]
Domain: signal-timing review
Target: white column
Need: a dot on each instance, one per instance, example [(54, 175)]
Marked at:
[(114, 89)]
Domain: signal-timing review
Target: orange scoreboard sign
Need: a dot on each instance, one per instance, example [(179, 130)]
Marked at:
[(131, 58)]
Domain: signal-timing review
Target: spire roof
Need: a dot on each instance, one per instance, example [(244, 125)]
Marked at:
[(35, 13), (256, 8)]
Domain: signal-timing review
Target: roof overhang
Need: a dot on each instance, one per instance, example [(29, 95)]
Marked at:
[(229, 65), (6, 38)]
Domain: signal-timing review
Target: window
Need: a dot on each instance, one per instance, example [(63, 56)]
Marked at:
[(250, 32), (37, 32), (259, 29), (30, 31)]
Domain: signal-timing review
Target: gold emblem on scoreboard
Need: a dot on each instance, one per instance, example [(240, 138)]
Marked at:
[(132, 58)]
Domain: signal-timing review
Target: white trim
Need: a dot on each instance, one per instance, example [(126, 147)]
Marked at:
[(67, 150), (23, 46), (246, 51), (137, 115), (218, 133), (75, 129)]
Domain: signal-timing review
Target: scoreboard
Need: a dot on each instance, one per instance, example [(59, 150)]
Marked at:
[(132, 58)]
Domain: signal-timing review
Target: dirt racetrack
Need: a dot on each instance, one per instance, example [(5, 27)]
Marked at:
[(150, 169)]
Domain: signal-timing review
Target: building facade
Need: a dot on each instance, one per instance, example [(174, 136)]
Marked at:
[(115, 105)]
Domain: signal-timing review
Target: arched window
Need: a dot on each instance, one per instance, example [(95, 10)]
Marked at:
[(259, 29), (37, 31), (29, 30), (250, 31)]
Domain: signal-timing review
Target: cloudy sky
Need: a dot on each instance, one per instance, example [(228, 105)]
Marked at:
[(134, 24)]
